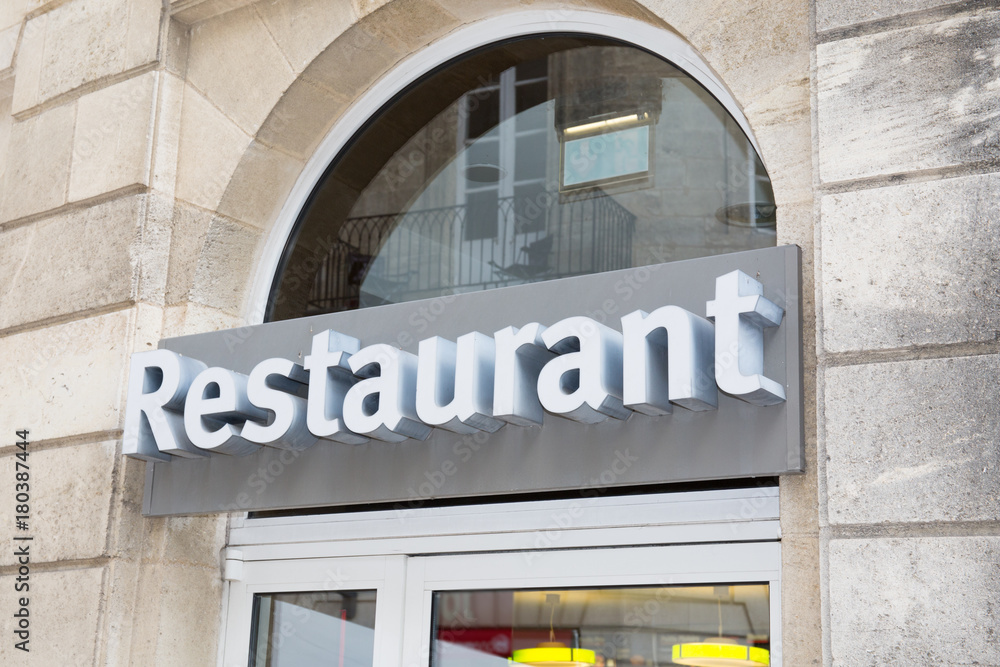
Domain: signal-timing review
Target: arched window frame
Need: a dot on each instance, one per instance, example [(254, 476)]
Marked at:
[(657, 40)]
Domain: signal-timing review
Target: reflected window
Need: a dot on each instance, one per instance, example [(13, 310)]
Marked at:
[(529, 160), (608, 627), (313, 628)]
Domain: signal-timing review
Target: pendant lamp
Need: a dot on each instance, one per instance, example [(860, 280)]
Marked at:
[(553, 653), (717, 652)]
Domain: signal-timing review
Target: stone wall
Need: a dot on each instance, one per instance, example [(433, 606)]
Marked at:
[(148, 147), (908, 256)]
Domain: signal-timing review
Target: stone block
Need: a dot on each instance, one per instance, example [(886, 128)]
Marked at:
[(209, 148), (111, 147), (302, 118), (303, 28), (915, 601), (192, 318), (235, 63), (70, 500), (177, 616), (225, 267), (83, 41), (72, 262), (8, 44), (260, 185), (912, 264), (66, 380), (37, 163), (802, 642), (927, 94), (12, 11), (65, 608), (832, 14), (913, 441), (190, 228), (195, 11)]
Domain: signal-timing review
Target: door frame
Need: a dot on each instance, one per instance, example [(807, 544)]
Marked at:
[(406, 554)]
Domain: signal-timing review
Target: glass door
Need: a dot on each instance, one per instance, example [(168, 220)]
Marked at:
[(334, 612), (648, 606)]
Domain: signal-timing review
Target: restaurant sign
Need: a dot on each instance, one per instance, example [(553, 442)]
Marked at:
[(676, 372)]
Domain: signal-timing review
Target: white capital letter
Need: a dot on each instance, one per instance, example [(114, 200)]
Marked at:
[(154, 425)]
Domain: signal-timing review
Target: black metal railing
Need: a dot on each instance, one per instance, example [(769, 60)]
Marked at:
[(420, 254)]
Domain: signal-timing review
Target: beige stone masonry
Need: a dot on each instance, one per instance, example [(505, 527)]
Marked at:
[(832, 14), (245, 200), (81, 42), (71, 496), (69, 379), (913, 264), (928, 97), (210, 146), (915, 601), (236, 64), (8, 44), (302, 28), (111, 145), (913, 441), (195, 11), (36, 173), (66, 618), (73, 262)]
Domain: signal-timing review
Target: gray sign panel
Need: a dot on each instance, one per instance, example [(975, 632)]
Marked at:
[(738, 440)]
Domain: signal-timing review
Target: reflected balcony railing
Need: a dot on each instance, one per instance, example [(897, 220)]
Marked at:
[(454, 249)]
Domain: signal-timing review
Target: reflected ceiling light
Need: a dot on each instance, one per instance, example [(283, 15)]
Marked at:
[(553, 653), (717, 654), (484, 173), (719, 651), (760, 214), (605, 125)]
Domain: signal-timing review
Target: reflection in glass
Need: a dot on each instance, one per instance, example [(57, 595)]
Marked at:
[(621, 626), (329, 628), (529, 160)]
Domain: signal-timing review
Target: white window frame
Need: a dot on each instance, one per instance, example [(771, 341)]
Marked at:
[(699, 537)]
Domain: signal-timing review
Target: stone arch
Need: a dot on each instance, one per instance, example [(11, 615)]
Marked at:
[(769, 85)]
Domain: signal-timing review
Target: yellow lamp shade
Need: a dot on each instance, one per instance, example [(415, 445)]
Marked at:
[(706, 654), (554, 655)]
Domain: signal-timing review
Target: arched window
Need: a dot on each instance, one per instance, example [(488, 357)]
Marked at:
[(532, 159)]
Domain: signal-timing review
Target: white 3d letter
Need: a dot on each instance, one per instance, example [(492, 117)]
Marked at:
[(154, 425), (741, 312), (521, 353), (329, 379), (216, 399), (668, 359), (383, 406), (583, 383), (455, 383), (272, 385)]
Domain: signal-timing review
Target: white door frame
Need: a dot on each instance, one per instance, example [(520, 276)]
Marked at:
[(406, 554)]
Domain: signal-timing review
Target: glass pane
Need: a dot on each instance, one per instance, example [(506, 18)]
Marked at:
[(633, 161), (611, 627), (314, 628)]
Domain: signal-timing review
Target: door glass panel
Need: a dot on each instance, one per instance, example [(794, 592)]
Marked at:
[(612, 627), (335, 628)]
